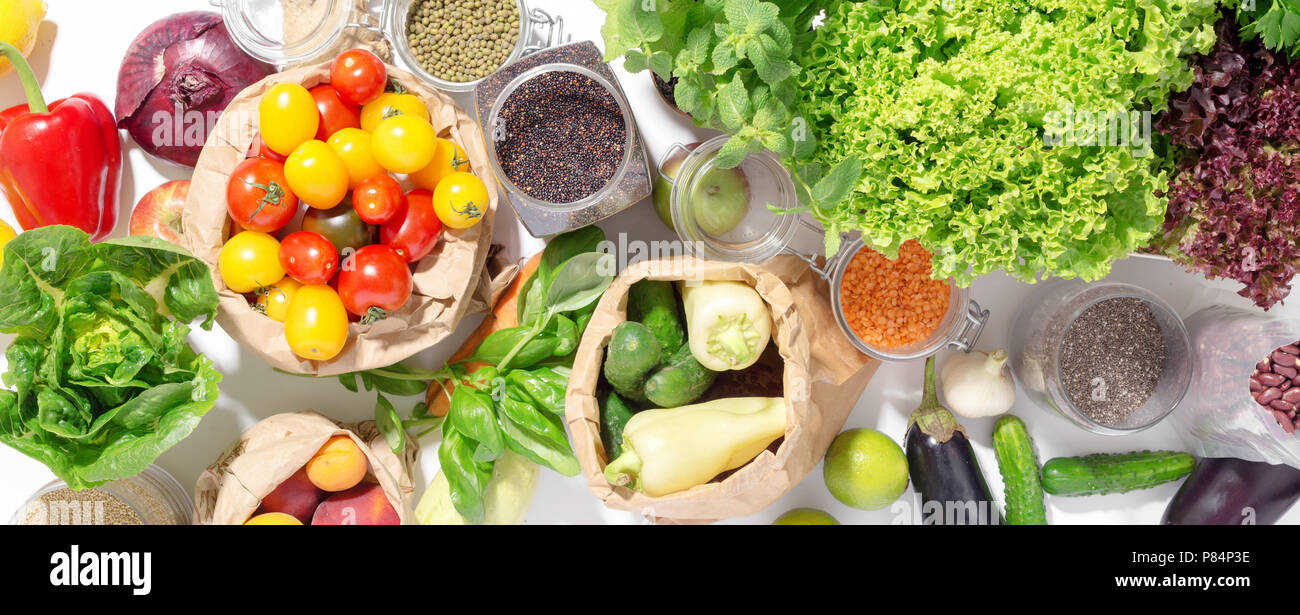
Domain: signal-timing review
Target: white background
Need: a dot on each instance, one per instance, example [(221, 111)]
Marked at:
[(79, 49)]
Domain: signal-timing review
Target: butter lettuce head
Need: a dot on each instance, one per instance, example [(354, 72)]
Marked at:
[(104, 380), (947, 102)]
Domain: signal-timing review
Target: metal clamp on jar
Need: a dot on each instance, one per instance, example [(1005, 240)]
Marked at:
[(747, 214)]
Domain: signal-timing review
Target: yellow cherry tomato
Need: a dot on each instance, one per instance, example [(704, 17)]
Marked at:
[(287, 117), (316, 326), (404, 143), (460, 200), (448, 158), (6, 233), (353, 147), (317, 175), (249, 261), (274, 300), (388, 105)]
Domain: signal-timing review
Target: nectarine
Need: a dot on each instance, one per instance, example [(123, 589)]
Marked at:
[(296, 496), (338, 466), (361, 505)]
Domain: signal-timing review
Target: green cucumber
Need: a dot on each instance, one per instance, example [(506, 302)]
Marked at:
[(1103, 473), (633, 351), (680, 381), (654, 304), (1022, 489), (614, 415)]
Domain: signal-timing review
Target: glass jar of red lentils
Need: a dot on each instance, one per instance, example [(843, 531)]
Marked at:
[(891, 310)]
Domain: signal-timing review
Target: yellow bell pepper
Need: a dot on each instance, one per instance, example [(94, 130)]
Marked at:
[(673, 449)]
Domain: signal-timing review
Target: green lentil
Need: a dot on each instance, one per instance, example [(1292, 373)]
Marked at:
[(462, 40)]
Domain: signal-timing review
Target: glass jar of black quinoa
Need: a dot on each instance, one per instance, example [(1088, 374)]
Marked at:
[(562, 139)]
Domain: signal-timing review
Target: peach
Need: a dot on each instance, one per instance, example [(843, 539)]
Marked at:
[(273, 518), (361, 505), (339, 465), (296, 497)]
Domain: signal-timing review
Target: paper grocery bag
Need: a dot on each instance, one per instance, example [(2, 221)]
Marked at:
[(448, 283), (230, 490), (823, 377)]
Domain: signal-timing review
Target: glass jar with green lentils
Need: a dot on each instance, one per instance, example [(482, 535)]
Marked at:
[(462, 40)]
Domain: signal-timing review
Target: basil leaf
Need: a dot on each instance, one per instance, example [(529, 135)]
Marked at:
[(494, 349), (558, 251), (532, 301), (566, 331), (471, 414), (466, 478), (580, 281), (390, 425), (537, 436)]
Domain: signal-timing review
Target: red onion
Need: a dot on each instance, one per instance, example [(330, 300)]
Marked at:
[(177, 77)]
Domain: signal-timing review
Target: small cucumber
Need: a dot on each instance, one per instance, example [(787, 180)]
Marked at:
[(1104, 473), (614, 415), (633, 351), (1023, 490), (680, 381), (654, 304)]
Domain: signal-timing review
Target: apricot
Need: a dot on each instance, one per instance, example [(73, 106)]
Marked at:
[(296, 496), (273, 518), (361, 505), (337, 466)]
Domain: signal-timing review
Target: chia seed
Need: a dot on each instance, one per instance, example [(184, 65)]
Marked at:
[(1112, 358), (565, 137)]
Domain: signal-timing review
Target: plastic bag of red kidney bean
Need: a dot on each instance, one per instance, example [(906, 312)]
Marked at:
[(1244, 399)]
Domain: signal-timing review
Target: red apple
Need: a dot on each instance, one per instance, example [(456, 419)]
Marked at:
[(296, 496), (158, 214)]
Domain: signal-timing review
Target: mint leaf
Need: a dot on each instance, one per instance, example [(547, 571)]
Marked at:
[(661, 62), (615, 30), (830, 191), (725, 55), (734, 151), (734, 106), (689, 93), (696, 52), (635, 61)]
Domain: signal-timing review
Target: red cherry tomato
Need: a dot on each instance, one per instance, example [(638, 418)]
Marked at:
[(378, 199), (359, 76), (258, 196), (309, 257), (335, 114), (259, 149), (415, 229), (373, 282)]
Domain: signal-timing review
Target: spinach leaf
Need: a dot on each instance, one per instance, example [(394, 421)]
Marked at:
[(580, 281), (536, 435), (471, 414), (467, 479), (390, 425)]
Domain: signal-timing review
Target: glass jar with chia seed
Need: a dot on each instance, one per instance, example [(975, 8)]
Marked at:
[(1113, 359), (151, 497), (561, 139)]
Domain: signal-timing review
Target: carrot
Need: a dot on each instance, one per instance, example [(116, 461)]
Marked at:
[(503, 316)]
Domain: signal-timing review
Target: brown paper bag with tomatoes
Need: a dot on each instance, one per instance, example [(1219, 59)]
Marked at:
[(822, 379), (449, 283), (232, 489)]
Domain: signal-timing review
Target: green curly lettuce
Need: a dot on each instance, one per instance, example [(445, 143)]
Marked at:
[(947, 105), (104, 379)]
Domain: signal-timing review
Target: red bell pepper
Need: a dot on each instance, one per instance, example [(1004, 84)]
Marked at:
[(60, 164)]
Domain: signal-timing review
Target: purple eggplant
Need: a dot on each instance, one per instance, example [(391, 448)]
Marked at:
[(1229, 491), (943, 467)]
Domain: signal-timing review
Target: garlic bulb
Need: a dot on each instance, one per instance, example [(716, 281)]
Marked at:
[(978, 384)]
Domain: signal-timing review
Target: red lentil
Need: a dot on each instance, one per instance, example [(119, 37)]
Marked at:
[(893, 303)]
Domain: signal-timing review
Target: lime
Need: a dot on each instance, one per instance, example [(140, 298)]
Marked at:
[(865, 469), (806, 516)]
